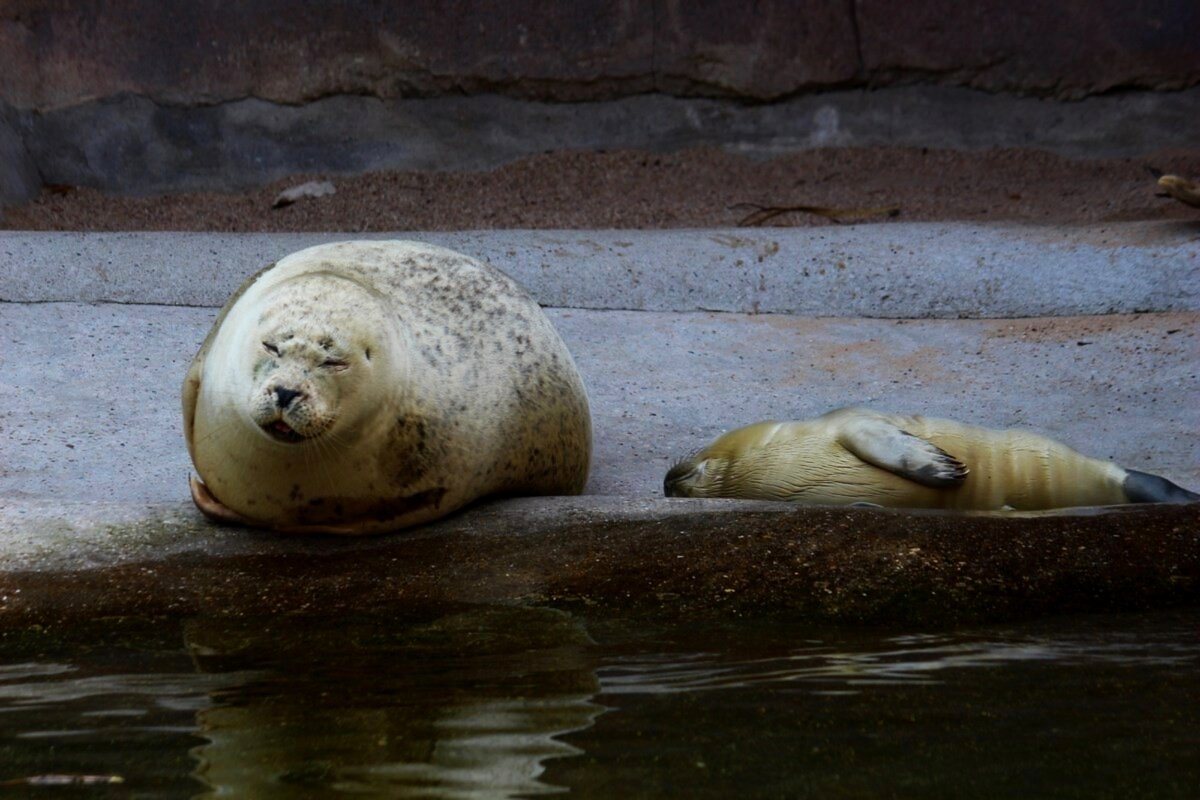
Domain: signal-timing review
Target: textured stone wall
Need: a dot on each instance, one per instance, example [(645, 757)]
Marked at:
[(20, 179), (151, 96), (56, 53)]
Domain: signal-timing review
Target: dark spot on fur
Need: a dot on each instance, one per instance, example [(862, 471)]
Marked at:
[(389, 509)]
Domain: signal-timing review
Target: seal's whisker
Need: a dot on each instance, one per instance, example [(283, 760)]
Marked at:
[(321, 449), (216, 431)]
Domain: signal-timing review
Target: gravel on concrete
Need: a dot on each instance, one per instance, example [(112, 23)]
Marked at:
[(640, 189)]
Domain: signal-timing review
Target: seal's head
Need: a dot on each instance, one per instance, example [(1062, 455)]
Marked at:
[(730, 466), (691, 476), (315, 357)]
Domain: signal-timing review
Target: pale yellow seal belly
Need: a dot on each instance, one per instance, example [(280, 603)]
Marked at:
[(360, 387), (857, 456)]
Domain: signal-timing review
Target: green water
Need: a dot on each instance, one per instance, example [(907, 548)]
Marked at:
[(496, 702)]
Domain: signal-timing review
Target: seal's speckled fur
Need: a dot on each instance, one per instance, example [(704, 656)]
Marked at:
[(358, 387)]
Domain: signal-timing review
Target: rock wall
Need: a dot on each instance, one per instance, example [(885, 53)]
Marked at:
[(56, 53), (20, 179), (134, 145), (146, 96)]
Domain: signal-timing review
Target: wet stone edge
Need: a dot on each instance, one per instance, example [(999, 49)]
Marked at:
[(867, 566)]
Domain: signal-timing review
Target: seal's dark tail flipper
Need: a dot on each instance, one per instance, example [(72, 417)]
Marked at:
[(1142, 487)]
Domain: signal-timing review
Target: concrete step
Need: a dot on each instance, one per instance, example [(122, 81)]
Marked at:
[(898, 270)]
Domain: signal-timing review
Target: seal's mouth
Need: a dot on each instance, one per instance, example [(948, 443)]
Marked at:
[(280, 431)]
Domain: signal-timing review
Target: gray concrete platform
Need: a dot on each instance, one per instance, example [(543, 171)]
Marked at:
[(93, 470), (89, 398)]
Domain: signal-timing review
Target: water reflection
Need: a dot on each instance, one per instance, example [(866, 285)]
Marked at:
[(899, 660), (468, 706), (100, 716), (504, 702)]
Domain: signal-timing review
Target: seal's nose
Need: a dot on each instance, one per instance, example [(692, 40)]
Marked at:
[(284, 396)]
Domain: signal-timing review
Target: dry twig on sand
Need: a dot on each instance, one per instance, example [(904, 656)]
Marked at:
[(763, 214)]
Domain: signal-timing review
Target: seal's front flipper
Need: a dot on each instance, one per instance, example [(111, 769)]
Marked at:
[(213, 508), (1142, 487), (879, 442)]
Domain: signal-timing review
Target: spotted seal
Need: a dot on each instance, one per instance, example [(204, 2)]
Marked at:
[(857, 456), (366, 386)]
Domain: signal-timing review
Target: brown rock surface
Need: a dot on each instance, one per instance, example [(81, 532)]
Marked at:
[(764, 51), (56, 53), (1065, 49)]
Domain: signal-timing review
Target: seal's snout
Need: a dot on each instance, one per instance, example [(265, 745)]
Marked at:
[(284, 396), (676, 483)]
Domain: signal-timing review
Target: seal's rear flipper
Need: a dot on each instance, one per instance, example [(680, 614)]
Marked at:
[(213, 508), (1142, 487)]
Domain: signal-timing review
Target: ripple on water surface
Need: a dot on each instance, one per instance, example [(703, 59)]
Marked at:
[(512, 702)]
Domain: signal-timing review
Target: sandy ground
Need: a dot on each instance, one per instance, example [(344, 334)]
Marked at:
[(691, 188)]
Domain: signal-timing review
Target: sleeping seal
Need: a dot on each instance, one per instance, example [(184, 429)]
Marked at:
[(360, 387), (859, 456)]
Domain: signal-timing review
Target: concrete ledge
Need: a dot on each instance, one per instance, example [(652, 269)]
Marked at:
[(905, 270), (616, 555)]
